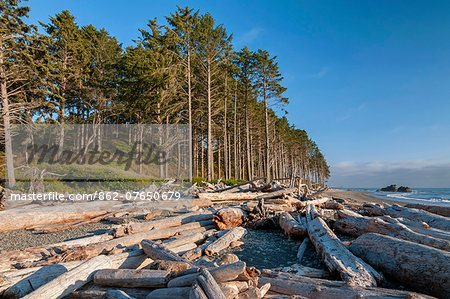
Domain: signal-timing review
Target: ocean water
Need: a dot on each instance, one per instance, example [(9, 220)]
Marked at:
[(437, 196)]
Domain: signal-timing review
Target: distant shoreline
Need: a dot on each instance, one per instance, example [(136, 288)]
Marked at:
[(359, 196)]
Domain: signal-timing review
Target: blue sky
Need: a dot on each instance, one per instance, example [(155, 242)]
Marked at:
[(368, 80)]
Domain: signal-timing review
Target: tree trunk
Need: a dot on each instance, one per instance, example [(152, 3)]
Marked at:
[(7, 126), (236, 158), (266, 119), (418, 266), (338, 259), (247, 135), (210, 139)]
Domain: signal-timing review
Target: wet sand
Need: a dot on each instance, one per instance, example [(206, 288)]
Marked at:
[(358, 196)]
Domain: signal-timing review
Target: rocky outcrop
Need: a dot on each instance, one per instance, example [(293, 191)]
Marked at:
[(404, 189), (393, 188)]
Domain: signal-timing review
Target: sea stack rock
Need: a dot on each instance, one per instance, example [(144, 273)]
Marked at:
[(391, 188), (404, 189)]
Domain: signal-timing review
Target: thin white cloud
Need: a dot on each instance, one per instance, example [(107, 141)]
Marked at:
[(350, 112), (415, 173), (320, 73), (249, 36)]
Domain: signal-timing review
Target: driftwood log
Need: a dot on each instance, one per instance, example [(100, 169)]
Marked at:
[(222, 273), (227, 218), (93, 291), (290, 227), (435, 209), (157, 251), (305, 287), (163, 223), (197, 292), (317, 202), (89, 251), (69, 225), (21, 282), (33, 216), (170, 293), (338, 258), (223, 242), (172, 266), (71, 280), (420, 267), (229, 196), (209, 285), (132, 278), (433, 220), (353, 224)]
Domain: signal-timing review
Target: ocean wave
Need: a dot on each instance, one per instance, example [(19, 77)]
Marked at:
[(417, 196)]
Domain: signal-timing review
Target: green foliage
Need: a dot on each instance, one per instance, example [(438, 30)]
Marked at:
[(184, 72)]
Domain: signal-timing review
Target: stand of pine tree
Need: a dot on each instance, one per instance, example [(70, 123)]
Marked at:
[(182, 70)]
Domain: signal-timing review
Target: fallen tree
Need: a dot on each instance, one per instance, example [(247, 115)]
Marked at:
[(435, 209), (420, 267), (353, 224), (305, 287), (396, 211), (338, 258)]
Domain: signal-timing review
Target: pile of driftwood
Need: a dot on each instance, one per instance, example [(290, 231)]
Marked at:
[(188, 256)]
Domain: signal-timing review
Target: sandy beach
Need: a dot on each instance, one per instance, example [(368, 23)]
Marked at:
[(358, 196)]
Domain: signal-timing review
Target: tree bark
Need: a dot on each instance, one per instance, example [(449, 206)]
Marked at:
[(6, 125), (210, 146)]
